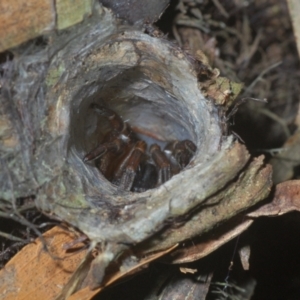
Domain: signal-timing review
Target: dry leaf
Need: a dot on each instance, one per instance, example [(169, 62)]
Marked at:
[(87, 293), (34, 274), (187, 270), (285, 199), (244, 254)]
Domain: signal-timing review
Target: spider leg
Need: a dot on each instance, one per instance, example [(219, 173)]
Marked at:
[(183, 151), (115, 139), (114, 119), (126, 172), (115, 146), (105, 164), (175, 167), (162, 162), (145, 179)]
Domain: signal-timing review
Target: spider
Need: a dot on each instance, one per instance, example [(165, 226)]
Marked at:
[(124, 160)]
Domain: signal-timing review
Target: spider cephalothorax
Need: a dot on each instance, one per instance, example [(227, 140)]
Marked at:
[(124, 159)]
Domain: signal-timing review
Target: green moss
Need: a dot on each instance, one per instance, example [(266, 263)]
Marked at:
[(229, 88), (54, 75)]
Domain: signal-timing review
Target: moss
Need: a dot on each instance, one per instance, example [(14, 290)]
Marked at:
[(54, 75)]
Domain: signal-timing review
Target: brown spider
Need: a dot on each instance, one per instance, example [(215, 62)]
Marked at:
[(123, 158)]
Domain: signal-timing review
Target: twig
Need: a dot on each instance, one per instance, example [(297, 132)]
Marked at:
[(14, 238), (259, 77), (272, 151), (220, 7), (15, 215), (241, 101), (277, 119)]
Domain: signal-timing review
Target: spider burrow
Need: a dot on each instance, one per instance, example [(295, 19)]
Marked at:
[(125, 160)]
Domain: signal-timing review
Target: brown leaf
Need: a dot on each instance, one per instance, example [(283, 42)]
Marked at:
[(286, 199), (34, 274), (86, 293)]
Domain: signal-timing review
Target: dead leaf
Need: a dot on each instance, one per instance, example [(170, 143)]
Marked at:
[(87, 293), (187, 270), (244, 254), (285, 199), (34, 274)]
